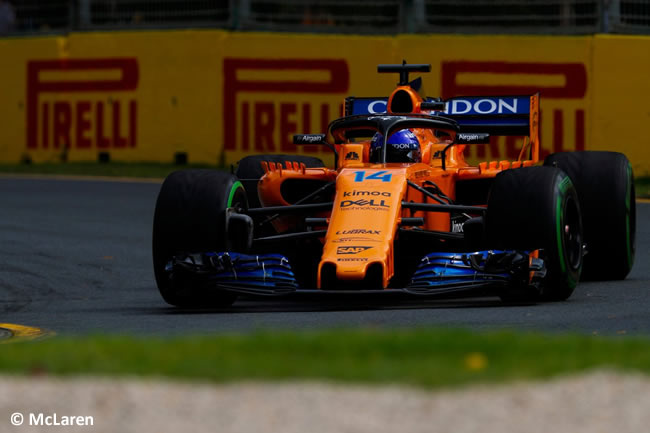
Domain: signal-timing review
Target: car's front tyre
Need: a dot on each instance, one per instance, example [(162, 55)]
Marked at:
[(189, 218), (605, 185), (537, 208)]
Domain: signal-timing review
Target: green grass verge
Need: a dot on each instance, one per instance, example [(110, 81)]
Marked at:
[(116, 169), (426, 358)]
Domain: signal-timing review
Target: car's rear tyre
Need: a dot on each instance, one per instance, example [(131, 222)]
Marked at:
[(250, 170), (537, 208), (605, 185), (190, 217)]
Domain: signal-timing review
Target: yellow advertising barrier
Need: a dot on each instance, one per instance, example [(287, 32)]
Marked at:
[(217, 96)]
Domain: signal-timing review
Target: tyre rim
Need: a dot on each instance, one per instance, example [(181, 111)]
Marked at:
[(572, 234)]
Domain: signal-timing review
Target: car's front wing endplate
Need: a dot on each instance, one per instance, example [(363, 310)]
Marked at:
[(265, 274), (447, 272)]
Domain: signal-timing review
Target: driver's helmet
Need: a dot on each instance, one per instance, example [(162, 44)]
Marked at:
[(402, 146)]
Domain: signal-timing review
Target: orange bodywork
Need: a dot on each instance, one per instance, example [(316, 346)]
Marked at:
[(367, 211)]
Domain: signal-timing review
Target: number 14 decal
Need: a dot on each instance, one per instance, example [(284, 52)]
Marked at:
[(383, 175)]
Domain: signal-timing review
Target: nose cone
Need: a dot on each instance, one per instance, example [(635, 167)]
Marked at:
[(363, 224)]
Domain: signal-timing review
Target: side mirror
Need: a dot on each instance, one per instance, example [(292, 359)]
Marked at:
[(466, 138), (472, 138), (313, 139), (307, 139)]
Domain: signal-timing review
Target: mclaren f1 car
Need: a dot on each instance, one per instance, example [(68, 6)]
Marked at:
[(401, 210)]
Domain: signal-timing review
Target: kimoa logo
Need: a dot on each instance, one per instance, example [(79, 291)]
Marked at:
[(356, 193)]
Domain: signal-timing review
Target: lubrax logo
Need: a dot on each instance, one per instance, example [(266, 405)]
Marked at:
[(377, 204), (351, 250), (366, 193), (358, 232)]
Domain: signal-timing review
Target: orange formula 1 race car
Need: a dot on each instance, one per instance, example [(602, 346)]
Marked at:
[(400, 211)]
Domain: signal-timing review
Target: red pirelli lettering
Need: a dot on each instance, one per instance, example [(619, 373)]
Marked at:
[(264, 123), (288, 127), (573, 77), (63, 113), (62, 122), (83, 124)]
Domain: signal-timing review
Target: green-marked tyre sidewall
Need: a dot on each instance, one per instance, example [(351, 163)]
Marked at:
[(233, 190), (528, 209), (563, 275), (605, 185)]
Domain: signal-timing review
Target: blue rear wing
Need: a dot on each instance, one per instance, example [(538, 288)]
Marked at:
[(495, 115)]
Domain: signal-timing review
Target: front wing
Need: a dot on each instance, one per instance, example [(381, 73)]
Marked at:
[(438, 273)]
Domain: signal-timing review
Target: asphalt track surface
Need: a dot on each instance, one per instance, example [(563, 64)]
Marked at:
[(75, 258)]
